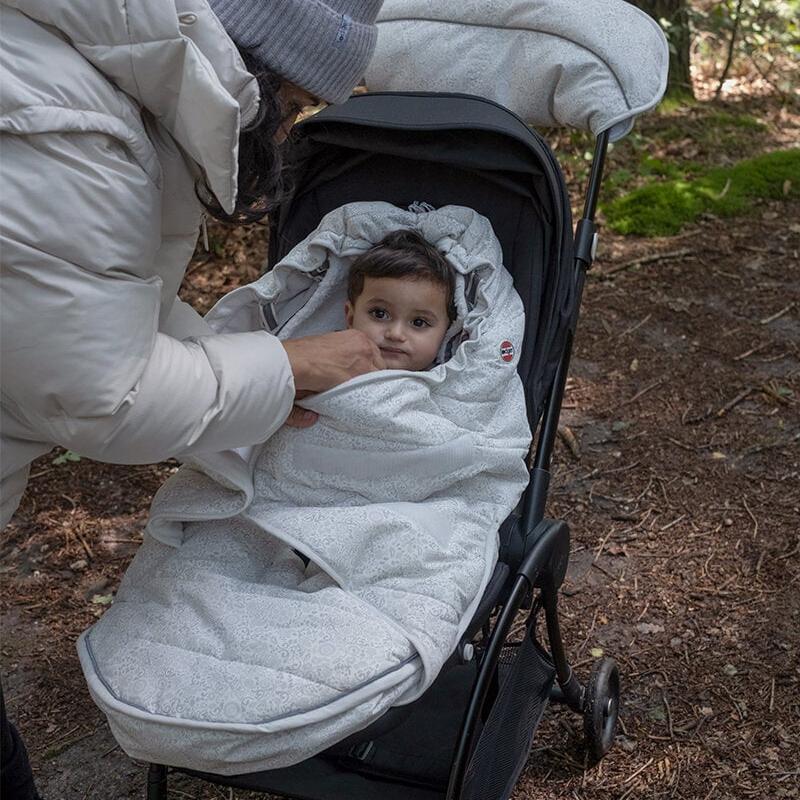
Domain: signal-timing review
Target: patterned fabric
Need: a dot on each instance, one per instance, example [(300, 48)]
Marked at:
[(223, 650), (594, 66)]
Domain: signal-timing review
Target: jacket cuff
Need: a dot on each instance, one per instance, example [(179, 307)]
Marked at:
[(256, 385)]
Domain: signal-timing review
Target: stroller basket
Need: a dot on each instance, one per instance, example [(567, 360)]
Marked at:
[(525, 677)]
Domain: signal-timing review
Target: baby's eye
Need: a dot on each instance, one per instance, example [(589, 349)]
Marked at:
[(379, 313), (420, 323)]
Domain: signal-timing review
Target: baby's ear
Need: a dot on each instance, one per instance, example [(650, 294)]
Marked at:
[(348, 314)]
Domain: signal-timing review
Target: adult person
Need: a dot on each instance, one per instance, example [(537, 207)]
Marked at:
[(121, 125)]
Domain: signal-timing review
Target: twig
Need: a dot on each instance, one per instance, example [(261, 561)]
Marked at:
[(635, 327), (39, 474), (778, 315), (604, 571), (790, 553), (669, 713), (84, 543), (735, 402), (602, 545), (670, 524), (752, 351), (64, 743), (637, 262), (643, 392), (644, 766), (712, 789), (681, 444), (752, 517), (589, 634), (569, 439), (772, 696), (769, 390)]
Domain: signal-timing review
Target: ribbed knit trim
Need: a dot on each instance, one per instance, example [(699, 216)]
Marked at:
[(322, 47)]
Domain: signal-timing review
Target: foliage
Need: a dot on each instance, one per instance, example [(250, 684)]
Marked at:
[(676, 143), (755, 42), (760, 34), (662, 208), (673, 17), (66, 457)]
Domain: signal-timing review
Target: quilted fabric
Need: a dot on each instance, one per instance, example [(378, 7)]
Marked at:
[(223, 650), (594, 66)]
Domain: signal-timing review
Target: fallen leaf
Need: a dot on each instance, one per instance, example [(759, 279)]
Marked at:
[(649, 627), (717, 456), (103, 599), (596, 652)]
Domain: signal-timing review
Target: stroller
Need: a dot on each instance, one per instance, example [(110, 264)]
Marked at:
[(468, 736)]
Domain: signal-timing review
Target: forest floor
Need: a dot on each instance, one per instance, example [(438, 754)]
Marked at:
[(678, 471)]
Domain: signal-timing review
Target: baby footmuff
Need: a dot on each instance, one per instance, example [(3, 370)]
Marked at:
[(443, 691)]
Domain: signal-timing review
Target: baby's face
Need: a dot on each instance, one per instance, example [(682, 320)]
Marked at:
[(407, 319)]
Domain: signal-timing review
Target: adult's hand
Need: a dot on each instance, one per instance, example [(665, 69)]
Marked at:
[(322, 362), (301, 417)]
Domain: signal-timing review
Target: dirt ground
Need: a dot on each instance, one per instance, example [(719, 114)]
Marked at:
[(678, 470)]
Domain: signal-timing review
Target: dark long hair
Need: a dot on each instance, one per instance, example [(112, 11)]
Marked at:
[(264, 172)]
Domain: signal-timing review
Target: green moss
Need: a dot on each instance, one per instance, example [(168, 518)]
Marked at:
[(676, 100), (616, 181), (665, 168), (744, 121), (663, 208)]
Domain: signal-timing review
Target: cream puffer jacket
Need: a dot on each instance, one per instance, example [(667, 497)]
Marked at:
[(108, 112)]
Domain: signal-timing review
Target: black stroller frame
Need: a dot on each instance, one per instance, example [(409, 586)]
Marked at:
[(468, 737)]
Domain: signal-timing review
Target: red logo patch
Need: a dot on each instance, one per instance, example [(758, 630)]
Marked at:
[(506, 351)]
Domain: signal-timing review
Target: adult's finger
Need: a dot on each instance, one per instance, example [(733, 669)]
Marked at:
[(301, 418), (322, 362)]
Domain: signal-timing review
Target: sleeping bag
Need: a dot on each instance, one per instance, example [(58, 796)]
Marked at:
[(287, 595)]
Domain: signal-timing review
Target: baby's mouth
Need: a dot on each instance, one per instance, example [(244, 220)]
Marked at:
[(393, 351)]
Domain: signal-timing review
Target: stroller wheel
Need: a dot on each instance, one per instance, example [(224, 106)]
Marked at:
[(601, 708)]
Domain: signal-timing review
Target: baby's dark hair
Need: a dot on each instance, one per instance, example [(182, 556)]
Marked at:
[(402, 254)]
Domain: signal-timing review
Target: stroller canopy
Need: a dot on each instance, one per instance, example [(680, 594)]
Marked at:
[(590, 65)]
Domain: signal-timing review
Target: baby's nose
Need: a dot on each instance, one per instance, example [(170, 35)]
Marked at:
[(395, 331)]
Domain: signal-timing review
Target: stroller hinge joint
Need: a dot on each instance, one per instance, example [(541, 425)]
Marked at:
[(585, 242)]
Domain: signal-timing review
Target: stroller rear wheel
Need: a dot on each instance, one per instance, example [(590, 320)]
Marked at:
[(601, 708)]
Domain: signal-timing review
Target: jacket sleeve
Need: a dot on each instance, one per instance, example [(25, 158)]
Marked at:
[(82, 360)]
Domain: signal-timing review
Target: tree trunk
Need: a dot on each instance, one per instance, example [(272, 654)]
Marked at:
[(673, 15)]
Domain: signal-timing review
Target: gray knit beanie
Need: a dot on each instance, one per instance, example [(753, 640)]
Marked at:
[(323, 46)]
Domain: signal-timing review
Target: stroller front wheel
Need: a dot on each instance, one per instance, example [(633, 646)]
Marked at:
[(601, 708)]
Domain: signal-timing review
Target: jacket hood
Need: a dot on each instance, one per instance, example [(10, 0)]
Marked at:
[(177, 61)]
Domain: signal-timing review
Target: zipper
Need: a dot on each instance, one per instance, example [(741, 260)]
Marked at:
[(204, 231)]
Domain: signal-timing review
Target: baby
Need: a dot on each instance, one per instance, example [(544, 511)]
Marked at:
[(400, 294)]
